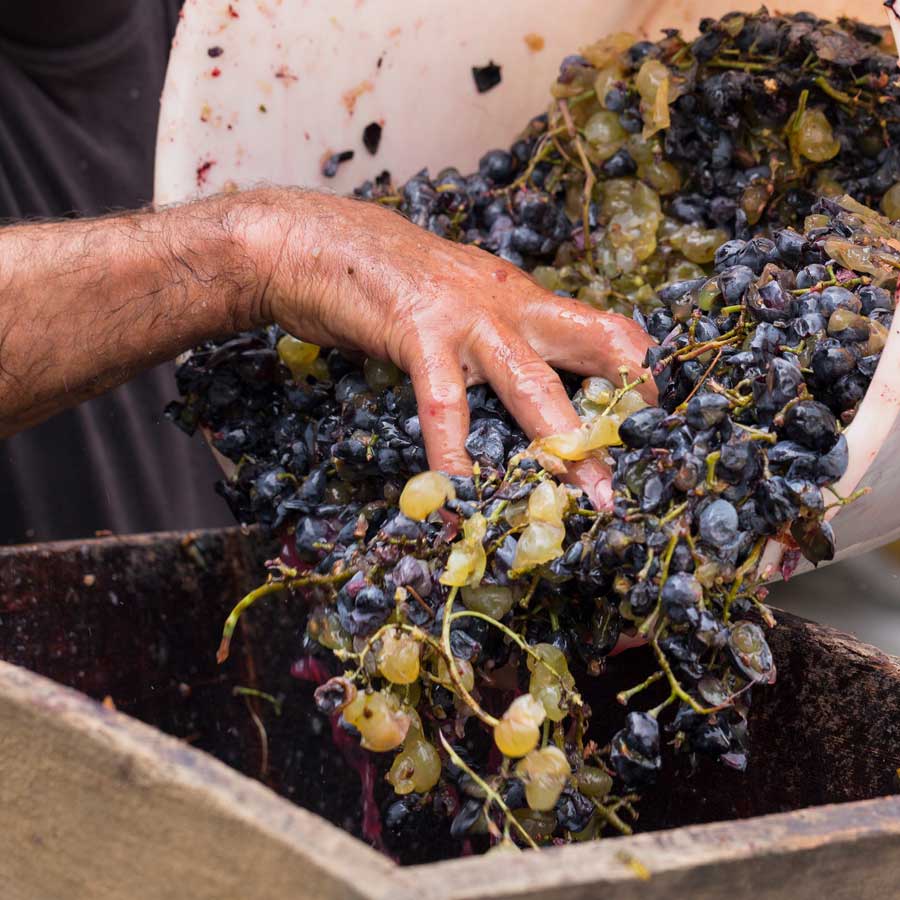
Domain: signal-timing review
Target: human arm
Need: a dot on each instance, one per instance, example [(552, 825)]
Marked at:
[(84, 305)]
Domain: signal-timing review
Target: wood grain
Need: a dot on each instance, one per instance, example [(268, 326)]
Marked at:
[(97, 806)]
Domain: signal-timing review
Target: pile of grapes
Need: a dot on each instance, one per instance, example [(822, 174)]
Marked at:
[(458, 616)]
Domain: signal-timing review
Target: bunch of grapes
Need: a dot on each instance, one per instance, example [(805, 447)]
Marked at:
[(457, 616), (659, 152)]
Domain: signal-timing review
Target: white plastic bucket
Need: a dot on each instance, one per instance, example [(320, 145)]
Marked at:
[(264, 91)]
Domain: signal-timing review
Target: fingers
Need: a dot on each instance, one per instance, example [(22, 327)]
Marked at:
[(627, 642), (534, 395), (594, 479), (437, 379), (527, 386), (575, 337)]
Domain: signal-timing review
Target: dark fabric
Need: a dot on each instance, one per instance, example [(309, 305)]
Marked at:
[(79, 101)]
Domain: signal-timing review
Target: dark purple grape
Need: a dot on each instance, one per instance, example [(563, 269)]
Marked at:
[(636, 430), (635, 750), (719, 523), (811, 424), (681, 594)]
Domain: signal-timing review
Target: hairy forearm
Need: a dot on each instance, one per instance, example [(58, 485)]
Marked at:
[(84, 305)]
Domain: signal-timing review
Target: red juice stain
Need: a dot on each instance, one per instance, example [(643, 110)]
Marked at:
[(308, 668), (203, 171), (216, 72), (285, 74), (233, 12), (500, 275)]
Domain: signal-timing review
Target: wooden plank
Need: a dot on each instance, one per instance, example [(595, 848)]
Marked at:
[(97, 806), (138, 618), (844, 852)]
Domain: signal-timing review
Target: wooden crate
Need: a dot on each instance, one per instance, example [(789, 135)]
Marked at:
[(97, 804)]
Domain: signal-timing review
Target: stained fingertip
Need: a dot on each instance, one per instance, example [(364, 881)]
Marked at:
[(595, 479), (627, 642)]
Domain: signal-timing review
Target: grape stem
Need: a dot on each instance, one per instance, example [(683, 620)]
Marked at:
[(650, 621), (545, 144), (520, 642), (711, 461), (740, 574), (757, 435), (677, 690), (673, 513), (589, 181), (843, 501), (683, 406), (240, 691), (658, 709), (609, 814), (624, 696), (270, 587), (456, 759), (455, 677)]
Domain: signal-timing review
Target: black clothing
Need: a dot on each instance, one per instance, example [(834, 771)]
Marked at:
[(79, 102)]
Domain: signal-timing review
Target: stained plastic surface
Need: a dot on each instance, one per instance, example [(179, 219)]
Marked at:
[(267, 91)]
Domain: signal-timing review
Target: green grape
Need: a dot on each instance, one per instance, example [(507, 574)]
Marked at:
[(424, 494), (381, 375), (398, 658), (492, 600), (417, 767), (297, 355), (545, 773), (518, 731)]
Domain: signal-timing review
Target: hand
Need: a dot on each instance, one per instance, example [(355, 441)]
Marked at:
[(345, 273)]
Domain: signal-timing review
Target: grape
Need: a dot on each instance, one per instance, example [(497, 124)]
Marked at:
[(398, 658), (635, 750), (719, 523), (890, 202), (638, 428), (751, 652), (574, 812), (297, 355), (547, 503), (545, 773), (464, 670), (517, 733), (551, 681), (539, 825), (380, 721), (417, 767), (652, 83), (381, 375), (467, 560), (811, 424), (424, 494), (593, 782), (334, 695), (605, 133), (539, 543), (492, 600), (814, 138)]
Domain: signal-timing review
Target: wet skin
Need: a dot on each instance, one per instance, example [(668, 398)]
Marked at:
[(134, 290)]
